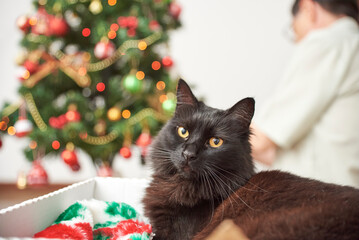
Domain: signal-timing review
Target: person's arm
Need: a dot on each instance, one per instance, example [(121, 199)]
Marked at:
[(306, 91), (263, 148)]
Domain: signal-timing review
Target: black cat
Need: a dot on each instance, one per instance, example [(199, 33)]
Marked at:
[(203, 173)]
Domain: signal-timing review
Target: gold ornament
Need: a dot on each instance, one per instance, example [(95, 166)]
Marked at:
[(86, 57), (72, 107), (57, 7), (70, 146), (96, 7), (100, 128), (42, 2), (114, 114)]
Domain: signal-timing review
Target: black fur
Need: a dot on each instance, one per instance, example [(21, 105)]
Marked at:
[(184, 193), (195, 186)]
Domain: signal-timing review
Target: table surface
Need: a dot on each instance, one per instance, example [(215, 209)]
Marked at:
[(10, 194)]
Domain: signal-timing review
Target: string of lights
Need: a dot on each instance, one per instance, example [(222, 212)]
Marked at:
[(35, 112), (140, 116), (93, 140), (141, 44), (10, 109)]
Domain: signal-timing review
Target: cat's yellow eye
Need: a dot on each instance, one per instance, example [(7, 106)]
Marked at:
[(182, 132), (215, 142)]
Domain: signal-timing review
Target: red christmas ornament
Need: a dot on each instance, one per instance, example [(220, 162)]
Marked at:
[(37, 175), (131, 32), (125, 152), (70, 158), (23, 23), (175, 10), (73, 116), (23, 127), (58, 122), (41, 26), (104, 49), (144, 140), (122, 22), (154, 25), (54, 122), (132, 22), (62, 120), (58, 26), (105, 171), (31, 66), (167, 61)]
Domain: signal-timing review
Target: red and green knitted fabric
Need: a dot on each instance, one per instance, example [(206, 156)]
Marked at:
[(93, 219)]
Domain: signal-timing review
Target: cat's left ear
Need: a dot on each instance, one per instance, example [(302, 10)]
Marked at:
[(243, 111), (185, 95)]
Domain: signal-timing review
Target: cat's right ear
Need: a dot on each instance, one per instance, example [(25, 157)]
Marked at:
[(243, 111), (185, 96)]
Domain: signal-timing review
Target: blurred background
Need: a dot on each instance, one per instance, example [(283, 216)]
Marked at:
[(226, 50)]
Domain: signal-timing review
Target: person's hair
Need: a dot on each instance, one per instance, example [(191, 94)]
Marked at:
[(337, 7)]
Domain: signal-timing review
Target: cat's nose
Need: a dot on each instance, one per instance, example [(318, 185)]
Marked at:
[(189, 155)]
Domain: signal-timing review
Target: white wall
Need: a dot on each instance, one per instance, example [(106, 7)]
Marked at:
[(232, 49), (227, 49)]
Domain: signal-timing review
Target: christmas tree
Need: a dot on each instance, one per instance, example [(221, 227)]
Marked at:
[(96, 77)]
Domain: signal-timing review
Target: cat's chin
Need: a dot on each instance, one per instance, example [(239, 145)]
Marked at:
[(187, 173), (186, 191)]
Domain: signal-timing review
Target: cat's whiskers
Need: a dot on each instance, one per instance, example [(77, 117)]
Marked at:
[(233, 191), (216, 189), (165, 157), (228, 194), (159, 153), (207, 184), (221, 188), (159, 149), (234, 175), (229, 188)]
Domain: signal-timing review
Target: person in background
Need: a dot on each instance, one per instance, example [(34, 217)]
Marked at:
[(310, 127)]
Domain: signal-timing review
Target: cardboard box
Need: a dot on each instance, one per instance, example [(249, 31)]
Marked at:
[(27, 218)]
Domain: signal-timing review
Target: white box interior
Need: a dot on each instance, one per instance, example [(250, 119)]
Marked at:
[(29, 217)]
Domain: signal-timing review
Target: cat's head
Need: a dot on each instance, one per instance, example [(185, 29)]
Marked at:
[(204, 144)]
